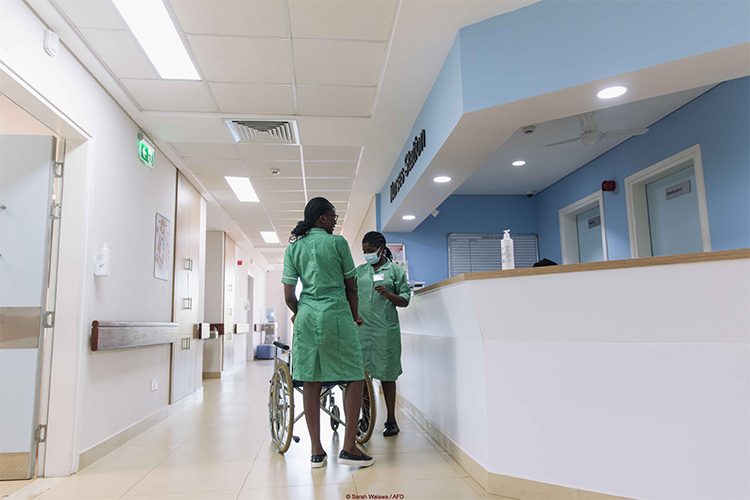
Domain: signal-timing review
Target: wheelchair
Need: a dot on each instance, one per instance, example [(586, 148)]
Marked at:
[(281, 415)]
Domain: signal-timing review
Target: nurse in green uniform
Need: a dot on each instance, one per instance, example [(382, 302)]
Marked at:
[(325, 347), (381, 286)]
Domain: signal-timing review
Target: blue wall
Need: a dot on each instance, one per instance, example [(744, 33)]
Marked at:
[(569, 43), (719, 121), (427, 245)]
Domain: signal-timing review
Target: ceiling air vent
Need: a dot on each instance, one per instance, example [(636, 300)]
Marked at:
[(262, 132)]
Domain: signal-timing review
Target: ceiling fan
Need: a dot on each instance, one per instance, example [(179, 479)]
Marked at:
[(590, 133)]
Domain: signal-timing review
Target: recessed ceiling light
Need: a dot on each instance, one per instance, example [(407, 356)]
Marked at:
[(242, 188), (409, 217), (519, 163), (156, 33), (442, 178), (269, 236), (611, 92)]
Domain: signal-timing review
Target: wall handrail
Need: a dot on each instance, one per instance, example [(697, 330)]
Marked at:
[(122, 334)]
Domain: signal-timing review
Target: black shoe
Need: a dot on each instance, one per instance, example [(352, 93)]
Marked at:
[(318, 461), (355, 460), (391, 429)]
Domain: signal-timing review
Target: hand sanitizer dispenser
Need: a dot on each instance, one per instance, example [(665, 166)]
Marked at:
[(506, 249), (101, 263)]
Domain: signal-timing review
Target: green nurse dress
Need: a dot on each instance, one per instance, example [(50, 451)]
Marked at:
[(380, 335), (325, 346)]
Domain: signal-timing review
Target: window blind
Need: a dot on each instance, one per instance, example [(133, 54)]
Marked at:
[(471, 253)]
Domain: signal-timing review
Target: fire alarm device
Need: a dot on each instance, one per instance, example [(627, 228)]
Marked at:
[(239, 262), (609, 185)]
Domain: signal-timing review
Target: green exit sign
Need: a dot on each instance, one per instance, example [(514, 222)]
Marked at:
[(146, 153)]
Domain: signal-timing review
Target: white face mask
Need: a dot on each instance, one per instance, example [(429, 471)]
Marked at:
[(372, 258)]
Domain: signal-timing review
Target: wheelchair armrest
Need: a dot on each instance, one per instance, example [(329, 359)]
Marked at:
[(281, 345)]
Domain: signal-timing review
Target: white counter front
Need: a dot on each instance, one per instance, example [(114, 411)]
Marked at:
[(628, 377)]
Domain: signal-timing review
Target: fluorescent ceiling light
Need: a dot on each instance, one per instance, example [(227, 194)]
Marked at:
[(154, 30), (519, 163), (242, 188), (611, 92), (409, 217), (269, 236), (442, 178)]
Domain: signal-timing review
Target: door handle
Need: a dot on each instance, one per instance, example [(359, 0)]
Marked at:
[(187, 303)]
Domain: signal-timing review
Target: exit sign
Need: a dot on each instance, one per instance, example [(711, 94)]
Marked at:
[(146, 153)]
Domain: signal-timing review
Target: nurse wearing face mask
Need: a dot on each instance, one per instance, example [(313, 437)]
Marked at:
[(381, 286)]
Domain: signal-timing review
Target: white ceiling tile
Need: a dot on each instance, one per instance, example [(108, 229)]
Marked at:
[(170, 95), (223, 195), (213, 166), (91, 14), (334, 184), (349, 20), (248, 60), (120, 52), (332, 62), (254, 98), (215, 182), (335, 101), (232, 17), (330, 168), (264, 168), (244, 209), (275, 196), (277, 208), (323, 153), (207, 150), (278, 184), (269, 152), (335, 197)]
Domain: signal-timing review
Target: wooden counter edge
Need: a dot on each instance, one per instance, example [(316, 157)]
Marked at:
[(688, 258)]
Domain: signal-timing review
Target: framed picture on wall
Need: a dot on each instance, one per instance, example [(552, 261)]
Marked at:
[(162, 248)]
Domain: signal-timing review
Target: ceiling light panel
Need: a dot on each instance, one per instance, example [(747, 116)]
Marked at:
[(269, 236), (330, 168), (243, 188), (119, 52), (331, 153), (337, 62), (91, 14), (170, 95), (157, 35), (335, 101), (333, 184), (261, 18), (255, 98), (207, 150), (243, 60), (341, 20)]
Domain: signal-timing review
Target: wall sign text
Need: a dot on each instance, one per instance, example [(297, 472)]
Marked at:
[(409, 161)]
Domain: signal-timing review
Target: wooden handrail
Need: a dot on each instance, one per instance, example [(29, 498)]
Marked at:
[(121, 334)]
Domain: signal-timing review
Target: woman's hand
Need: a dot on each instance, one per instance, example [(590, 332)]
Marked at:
[(293, 316), (359, 321), (382, 290)]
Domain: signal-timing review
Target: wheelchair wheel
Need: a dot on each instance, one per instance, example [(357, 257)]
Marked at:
[(334, 422), (368, 412), (281, 407)]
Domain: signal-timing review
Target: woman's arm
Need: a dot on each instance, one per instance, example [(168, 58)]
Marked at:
[(351, 296), (290, 297), (396, 300)]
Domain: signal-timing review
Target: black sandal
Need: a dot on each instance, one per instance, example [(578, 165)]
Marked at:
[(318, 461)]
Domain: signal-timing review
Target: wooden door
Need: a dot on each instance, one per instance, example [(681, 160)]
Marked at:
[(186, 288)]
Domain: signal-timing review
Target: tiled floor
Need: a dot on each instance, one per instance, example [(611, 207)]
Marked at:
[(218, 448)]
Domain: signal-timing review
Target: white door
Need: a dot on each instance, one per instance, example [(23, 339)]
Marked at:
[(27, 192), (673, 217), (589, 229)]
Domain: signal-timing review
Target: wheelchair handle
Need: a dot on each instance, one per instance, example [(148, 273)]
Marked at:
[(281, 345)]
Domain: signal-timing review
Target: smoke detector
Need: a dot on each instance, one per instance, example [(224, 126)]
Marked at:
[(262, 132), (529, 129)]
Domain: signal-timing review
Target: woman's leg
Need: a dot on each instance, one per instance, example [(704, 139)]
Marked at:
[(352, 405), (311, 403), (389, 392)]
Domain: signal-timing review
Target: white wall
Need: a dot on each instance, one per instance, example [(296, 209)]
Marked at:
[(115, 198), (275, 298), (369, 223), (257, 314), (631, 382)]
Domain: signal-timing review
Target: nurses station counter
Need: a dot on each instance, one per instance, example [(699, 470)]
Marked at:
[(625, 377)]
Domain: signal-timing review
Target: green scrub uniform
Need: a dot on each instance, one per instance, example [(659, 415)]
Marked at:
[(380, 335), (325, 346)]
